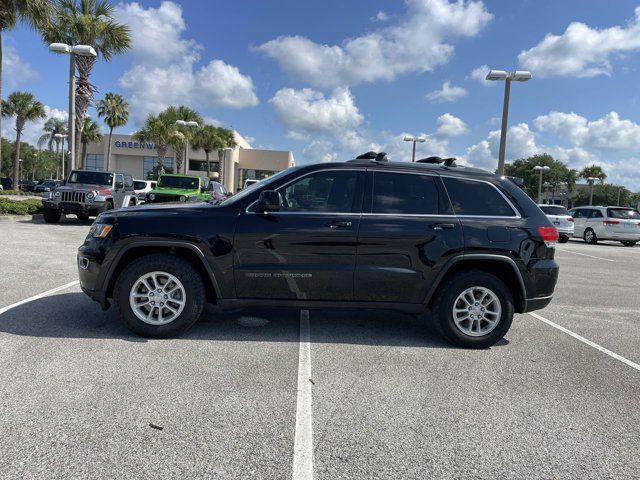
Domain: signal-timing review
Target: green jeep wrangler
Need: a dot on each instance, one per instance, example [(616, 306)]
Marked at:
[(179, 188)]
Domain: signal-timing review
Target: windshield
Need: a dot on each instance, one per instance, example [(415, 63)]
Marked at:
[(554, 210), (93, 178), (185, 183), (139, 185), (623, 213), (264, 184)]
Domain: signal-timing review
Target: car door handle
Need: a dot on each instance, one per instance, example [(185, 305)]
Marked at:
[(335, 225), (442, 226)]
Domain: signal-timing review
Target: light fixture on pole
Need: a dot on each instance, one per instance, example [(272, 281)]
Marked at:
[(191, 124), (541, 169), (591, 181), (415, 140), (72, 51), (508, 77)]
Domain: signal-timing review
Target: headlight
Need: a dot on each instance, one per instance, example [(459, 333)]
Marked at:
[(56, 193), (152, 196), (100, 230), (91, 196)]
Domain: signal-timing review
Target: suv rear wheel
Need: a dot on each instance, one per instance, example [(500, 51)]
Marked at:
[(159, 296), (590, 236), (473, 309), (629, 243)]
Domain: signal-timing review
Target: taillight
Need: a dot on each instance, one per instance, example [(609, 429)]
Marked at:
[(569, 219), (549, 235), (610, 222)]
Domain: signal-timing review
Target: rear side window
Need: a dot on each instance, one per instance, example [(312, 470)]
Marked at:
[(138, 185), (470, 197), (595, 214), (623, 213), (403, 193)]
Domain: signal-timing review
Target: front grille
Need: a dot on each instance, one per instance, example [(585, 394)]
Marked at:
[(73, 197), (159, 198)]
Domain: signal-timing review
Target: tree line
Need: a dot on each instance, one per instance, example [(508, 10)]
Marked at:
[(90, 22)]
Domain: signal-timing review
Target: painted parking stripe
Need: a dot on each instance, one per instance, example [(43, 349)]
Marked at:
[(584, 254), (40, 295), (588, 342), (303, 443)]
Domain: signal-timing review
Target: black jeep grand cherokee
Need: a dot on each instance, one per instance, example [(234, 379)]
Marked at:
[(466, 244)]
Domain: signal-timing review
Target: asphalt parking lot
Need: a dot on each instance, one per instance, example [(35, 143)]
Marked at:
[(339, 394)]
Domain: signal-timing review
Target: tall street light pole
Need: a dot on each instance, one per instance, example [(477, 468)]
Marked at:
[(541, 169), (190, 124), (72, 51), (592, 181), (414, 140), (508, 77)]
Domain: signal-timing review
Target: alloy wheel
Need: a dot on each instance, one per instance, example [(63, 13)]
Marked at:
[(157, 298), (477, 311)]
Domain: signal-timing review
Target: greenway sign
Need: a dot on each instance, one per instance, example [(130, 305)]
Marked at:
[(132, 144)]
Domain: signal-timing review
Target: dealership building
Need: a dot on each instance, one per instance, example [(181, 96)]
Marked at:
[(139, 159)]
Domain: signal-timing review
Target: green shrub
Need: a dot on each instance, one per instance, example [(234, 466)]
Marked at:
[(20, 207), (20, 192)]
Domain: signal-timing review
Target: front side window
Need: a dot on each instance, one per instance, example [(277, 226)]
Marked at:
[(331, 191), (470, 197), (402, 193), (595, 214)]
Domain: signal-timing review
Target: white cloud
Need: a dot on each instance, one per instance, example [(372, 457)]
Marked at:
[(581, 51), (609, 132), (448, 93), (381, 16), (166, 72), (320, 151), (308, 111), (480, 74), (450, 126), (15, 70), (32, 130), (416, 42)]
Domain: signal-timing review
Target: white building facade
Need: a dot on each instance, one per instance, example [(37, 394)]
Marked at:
[(139, 159)]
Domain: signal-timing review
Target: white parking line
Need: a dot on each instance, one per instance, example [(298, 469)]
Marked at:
[(40, 295), (584, 254), (303, 443), (588, 342)]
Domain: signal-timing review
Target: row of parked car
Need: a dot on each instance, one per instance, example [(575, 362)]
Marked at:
[(594, 223)]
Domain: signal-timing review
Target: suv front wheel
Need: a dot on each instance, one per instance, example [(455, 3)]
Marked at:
[(473, 309), (159, 296)]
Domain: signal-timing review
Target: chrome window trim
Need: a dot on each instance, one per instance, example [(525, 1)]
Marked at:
[(513, 208), (246, 210)]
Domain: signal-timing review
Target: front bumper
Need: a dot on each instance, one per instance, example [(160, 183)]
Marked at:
[(92, 208)]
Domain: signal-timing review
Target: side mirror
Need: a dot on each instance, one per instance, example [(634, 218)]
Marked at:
[(119, 184), (268, 201)]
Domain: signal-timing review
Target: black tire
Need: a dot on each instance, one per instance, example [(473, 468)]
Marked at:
[(590, 236), (82, 216), (563, 239), (445, 298), (50, 215), (629, 243), (176, 266)]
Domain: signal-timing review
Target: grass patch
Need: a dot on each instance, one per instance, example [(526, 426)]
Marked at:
[(20, 207), (20, 192)]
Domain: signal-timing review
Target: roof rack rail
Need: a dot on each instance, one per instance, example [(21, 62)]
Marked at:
[(375, 157), (448, 162)]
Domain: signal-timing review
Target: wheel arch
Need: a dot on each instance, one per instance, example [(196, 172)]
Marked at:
[(192, 253), (501, 266)]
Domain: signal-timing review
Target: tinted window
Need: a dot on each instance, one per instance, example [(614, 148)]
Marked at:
[(404, 194), (328, 191), (128, 181), (476, 198), (187, 183), (554, 210), (139, 185), (623, 213), (595, 214), (93, 178)]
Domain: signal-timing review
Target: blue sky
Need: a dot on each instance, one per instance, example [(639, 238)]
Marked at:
[(329, 79)]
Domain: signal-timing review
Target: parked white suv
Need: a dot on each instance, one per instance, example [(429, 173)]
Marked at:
[(142, 187), (561, 219), (621, 224)]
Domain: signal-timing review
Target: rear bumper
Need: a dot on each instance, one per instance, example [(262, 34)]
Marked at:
[(532, 304), (542, 277)]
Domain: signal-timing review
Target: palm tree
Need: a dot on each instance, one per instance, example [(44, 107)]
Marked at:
[(207, 139), (188, 115), (161, 131), (227, 140), (25, 108), (115, 111), (34, 13), (593, 171), (52, 127), (90, 134), (86, 22)]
